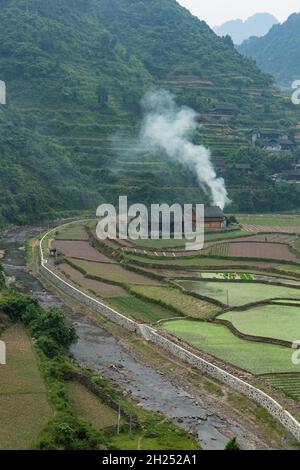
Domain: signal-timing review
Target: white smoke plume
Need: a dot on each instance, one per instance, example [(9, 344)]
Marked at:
[(169, 129)]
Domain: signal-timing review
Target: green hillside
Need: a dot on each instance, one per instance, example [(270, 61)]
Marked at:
[(76, 71), (277, 53)]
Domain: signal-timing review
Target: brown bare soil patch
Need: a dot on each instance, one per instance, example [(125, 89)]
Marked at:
[(111, 273), (80, 250), (269, 238), (274, 251), (99, 288)]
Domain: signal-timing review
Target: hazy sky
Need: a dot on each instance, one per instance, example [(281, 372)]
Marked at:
[(216, 12)]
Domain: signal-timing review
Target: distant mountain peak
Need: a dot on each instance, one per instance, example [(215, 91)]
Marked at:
[(277, 53), (239, 30)]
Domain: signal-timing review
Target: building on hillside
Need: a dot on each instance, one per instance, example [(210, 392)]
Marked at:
[(223, 111), (219, 165), (291, 176), (214, 218), (273, 141), (286, 144), (279, 145)]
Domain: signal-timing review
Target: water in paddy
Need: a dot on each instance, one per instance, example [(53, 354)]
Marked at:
[(101, 350)]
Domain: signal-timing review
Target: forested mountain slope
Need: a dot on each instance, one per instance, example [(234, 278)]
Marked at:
[(278, 53), (75, 72)]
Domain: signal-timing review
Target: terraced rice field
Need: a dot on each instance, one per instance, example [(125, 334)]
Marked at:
[(159, 244), (271, 251), (217, 250), (199, 261), (288, 383), (80, 250), (141, 310), (181, 303), (227, 275), (211, 236), (291, 268), (217, 340), (204, 263), (269, 238), (237, 294), (98, 288), (72, 232), (272, 321), (111, 272), (272, 220)]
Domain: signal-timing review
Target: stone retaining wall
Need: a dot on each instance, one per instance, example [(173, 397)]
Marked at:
[(150, 334), (274, 408)]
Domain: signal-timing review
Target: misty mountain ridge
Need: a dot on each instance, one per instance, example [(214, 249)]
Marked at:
[(278, 52), (239, 30)]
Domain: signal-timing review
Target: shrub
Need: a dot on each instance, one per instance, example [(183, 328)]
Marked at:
[(52, 323), (48, 346), (49, 327), (232, 445), (68, 432)]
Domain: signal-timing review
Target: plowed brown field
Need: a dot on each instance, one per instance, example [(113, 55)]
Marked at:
[(80, 250), (274, 251), (268, 237), (100, 288)]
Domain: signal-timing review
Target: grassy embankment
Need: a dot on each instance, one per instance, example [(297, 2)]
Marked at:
[(24, 404)]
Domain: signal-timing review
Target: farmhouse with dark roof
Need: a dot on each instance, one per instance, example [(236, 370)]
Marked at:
[(274, 141)]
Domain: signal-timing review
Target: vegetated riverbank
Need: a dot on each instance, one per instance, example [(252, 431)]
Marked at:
[(197, 404)]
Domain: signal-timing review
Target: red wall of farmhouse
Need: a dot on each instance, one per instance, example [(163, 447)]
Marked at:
[(217, 224)]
